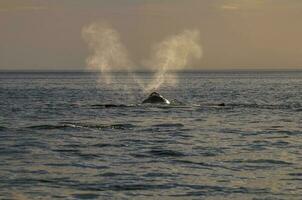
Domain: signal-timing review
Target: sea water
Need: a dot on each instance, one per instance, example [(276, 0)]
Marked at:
[(68, 136)]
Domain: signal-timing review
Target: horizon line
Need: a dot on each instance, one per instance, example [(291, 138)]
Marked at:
[(145, 71)]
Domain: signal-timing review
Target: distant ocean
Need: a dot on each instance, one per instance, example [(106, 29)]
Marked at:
[(67, 136)]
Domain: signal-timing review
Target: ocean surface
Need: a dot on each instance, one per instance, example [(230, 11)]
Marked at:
[(69, 136)]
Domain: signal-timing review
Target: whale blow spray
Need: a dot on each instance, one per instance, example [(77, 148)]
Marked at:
[(174, 54), (108, 52)]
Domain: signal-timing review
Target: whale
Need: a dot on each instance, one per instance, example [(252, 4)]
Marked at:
[(156, 98)]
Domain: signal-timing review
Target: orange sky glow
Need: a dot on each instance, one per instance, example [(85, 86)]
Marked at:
[(234, 34)]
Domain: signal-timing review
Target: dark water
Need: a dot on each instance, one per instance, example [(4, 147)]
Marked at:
[(64, 136)]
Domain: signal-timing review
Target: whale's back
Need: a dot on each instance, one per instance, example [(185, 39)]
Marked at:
[(156, 98)]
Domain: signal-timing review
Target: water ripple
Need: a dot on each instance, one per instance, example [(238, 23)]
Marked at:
[(82, 126)]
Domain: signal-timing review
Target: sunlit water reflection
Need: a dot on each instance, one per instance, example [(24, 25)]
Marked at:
[(59, 140)]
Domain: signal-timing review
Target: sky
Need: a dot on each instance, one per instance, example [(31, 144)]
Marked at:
[(234, 34)]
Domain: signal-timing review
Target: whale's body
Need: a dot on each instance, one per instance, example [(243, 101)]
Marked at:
[(156, 98)]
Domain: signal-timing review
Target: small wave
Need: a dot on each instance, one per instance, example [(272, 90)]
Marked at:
[(266, 106), (112, 174), (13, 151), (203, 190), (263, 161), (2, 128), (128, 187), (281, 144), (200, 164), (285, 132), (38, 181), (168, 125), (51, 127), (82, 126), (122, 126), (159, 174), (166, 153), (86, 196), (77, 165), (67, 150), (295, 174), (107, 126), (104, 145), (159, 153), (211, 105), (210, 151), (100, 106), (170, 106)]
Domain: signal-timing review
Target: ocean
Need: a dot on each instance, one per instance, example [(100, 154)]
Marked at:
[(66, 135)]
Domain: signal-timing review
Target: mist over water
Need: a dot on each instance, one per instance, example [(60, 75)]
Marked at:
[(174, 53)]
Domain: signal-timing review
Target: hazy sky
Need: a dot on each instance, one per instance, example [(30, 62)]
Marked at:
[(235, 34)]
